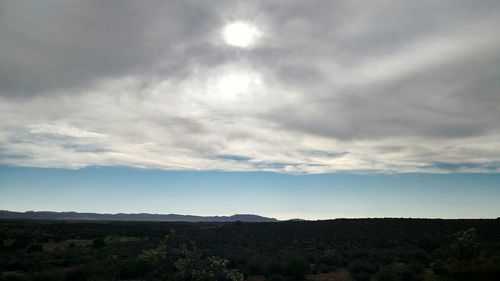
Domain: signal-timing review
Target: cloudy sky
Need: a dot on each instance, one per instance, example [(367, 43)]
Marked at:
[(292, 87)]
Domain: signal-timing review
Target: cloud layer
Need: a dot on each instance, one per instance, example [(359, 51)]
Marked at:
[(390, 86)]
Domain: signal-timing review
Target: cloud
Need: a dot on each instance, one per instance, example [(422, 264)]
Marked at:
[(330, 86)]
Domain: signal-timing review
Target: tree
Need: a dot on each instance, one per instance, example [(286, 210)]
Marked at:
[(186, 263), (465, 246)]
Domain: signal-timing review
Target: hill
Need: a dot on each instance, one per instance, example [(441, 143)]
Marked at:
[(131, 217)]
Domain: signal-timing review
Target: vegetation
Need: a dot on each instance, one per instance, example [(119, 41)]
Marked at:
[(345, 249)]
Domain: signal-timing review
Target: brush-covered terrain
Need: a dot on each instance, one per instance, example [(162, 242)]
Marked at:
[(342, 249)]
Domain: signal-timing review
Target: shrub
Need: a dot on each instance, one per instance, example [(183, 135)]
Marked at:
[(297, 269), (465, 246), (361, 276), (34, 247), (359, 266), (45, 276), (98, 243), (75, 275), (392, 273), (276, 277), (323, 268)]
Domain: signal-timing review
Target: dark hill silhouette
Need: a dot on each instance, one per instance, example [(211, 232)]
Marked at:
[(131, 217)]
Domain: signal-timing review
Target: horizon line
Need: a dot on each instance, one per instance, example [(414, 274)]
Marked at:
[(252, 214)]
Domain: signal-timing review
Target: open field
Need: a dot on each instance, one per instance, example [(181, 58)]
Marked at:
[(344, 249)]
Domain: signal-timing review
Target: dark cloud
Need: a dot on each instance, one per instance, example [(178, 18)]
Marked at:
[(59, 44)]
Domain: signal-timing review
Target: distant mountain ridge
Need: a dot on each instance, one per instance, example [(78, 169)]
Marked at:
[(44, 215)]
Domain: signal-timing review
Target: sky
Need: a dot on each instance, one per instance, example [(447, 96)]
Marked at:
[(278, 101), (278, 195)]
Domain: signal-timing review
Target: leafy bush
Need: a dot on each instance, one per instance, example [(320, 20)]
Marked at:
[(323, 268), (361, 276), (34, 247), (297, 269), (396, 273), (386, 273), (363, 266), (465, 246), (185, 263), (98, 243)]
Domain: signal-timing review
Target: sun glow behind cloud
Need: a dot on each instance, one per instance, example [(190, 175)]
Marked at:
[(241, 34), (233, 85)]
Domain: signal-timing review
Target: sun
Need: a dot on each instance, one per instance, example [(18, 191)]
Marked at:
[(240, 34)]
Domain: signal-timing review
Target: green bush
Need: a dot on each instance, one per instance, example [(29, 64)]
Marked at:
[(386, 273), (297, 269), (323, 268), (393, 273), (75, 275), (359, 266), (276, 277), (45, 276), (361, 276), (34, 247), (98, 243), (465, 246)]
